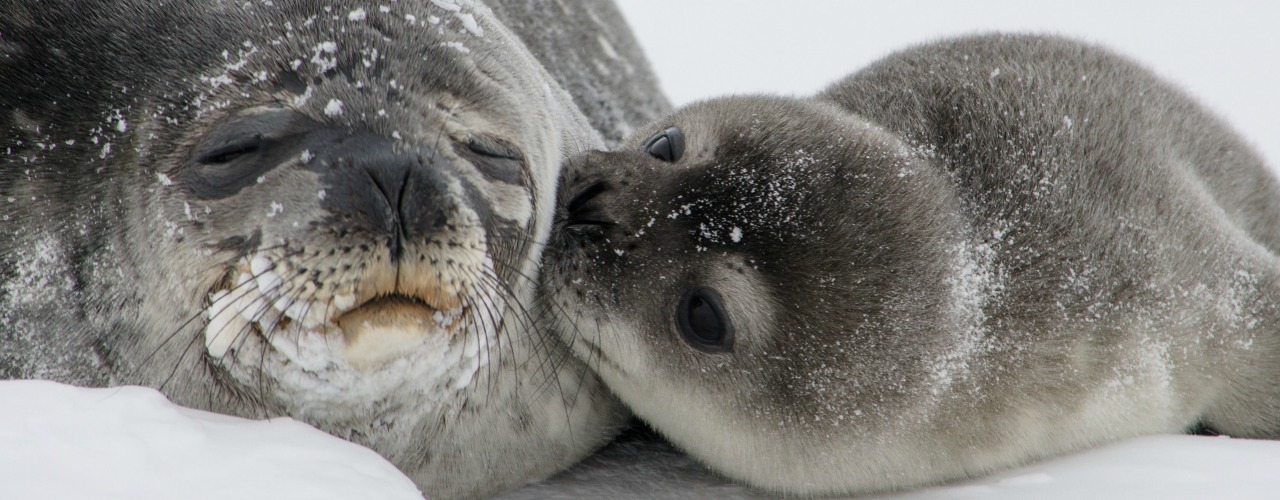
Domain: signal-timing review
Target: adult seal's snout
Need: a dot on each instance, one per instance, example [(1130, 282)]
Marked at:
[(394, 193)]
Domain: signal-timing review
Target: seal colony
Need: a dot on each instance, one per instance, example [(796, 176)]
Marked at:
[(970, 255), (332, 212)]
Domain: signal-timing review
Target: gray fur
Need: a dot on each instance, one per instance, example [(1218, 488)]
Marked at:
[(113, 250), (588, 48), (970, 255)]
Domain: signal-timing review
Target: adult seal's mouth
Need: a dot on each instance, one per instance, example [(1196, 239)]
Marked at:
[(367, 326)]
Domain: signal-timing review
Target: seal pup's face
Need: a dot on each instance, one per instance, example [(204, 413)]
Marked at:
[(332, 212), (759, 277)]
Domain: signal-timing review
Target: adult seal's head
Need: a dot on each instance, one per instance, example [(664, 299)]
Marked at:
[(332, 212), (929, 271)]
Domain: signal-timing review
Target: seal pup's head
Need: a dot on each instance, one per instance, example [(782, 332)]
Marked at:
[(328, 211), (765, 281)]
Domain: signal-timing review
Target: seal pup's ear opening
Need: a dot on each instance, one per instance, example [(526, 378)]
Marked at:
[(667, 145), (703, 322)]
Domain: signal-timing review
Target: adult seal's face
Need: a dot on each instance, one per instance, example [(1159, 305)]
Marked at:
[(330, 212)]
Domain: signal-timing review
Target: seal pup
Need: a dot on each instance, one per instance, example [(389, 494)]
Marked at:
[(970, 255), (332, 212)]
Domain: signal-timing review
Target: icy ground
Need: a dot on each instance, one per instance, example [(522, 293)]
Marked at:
[(59, 442), (62, 443)]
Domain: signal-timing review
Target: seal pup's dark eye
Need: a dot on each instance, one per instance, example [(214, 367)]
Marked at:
[(667, 145), (703, 322)]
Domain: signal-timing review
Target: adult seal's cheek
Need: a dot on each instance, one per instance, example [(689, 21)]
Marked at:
[(330, 212), (867, 293)]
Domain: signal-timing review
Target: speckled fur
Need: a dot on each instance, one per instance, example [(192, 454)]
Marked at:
[(970, 255)]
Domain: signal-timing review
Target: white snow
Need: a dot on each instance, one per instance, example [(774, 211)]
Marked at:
[(323, 63), (458, 46), (62, 442), (469, 22), (333, 108), (1156, 467), (448, 5)]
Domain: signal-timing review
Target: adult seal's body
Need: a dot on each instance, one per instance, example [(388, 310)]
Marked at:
[(970, 255), (329, 211)]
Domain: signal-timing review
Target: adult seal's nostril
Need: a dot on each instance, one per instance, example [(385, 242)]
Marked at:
[(376, 192)]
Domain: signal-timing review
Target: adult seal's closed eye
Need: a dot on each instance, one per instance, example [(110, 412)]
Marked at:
[(970, 255), (328, 211)]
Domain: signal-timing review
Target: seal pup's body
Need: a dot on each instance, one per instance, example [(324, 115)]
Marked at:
[(970, 255), (328, 211)]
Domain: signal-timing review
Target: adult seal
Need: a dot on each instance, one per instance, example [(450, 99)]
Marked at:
[(970, 255), (330, 211)]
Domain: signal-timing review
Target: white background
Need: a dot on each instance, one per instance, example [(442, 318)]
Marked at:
[(1226, 53)]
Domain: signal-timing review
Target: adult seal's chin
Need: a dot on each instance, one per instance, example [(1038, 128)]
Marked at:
[(331, 212)]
